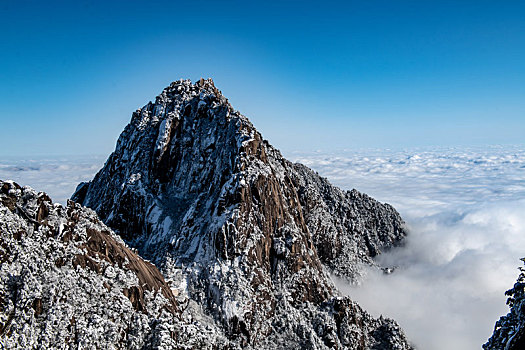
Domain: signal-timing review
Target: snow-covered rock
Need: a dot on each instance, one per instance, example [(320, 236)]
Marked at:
[(348, 228), (509, 331), (67, 281), (196, 190)]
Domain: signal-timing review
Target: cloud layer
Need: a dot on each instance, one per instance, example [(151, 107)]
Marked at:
[(464, 208), (58, 176)]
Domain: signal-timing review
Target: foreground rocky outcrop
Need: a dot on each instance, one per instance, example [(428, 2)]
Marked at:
[(509, 331), (67, 281), (197, 190)]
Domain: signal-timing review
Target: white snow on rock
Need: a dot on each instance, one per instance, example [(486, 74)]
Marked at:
[(66, 280)]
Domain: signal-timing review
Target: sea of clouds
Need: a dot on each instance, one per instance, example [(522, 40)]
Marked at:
[(465, 210), (57, 176)]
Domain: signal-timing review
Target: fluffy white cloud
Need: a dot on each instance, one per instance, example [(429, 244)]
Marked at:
[(464, 208)]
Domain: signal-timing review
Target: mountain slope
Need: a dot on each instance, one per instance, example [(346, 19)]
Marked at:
[(195, 189), (66, 280), (348, 228)]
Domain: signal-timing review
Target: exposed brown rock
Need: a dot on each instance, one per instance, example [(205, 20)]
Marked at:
[(60, 262), (107, 286), (101, 246), (85, 261), (42, 212), (37, 306), (7, 199)]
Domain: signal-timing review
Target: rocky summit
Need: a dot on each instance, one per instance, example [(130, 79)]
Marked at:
[(244, 240)]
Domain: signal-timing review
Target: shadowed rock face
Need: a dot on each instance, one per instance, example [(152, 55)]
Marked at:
[(195, 189), (68, 280)]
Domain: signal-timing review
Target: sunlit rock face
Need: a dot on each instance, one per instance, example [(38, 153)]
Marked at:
[(197, 190)]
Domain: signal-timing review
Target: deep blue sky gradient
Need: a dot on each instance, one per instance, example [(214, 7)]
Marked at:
[(309, 74)]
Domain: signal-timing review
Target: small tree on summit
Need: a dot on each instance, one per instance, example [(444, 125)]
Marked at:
[(517, 292)]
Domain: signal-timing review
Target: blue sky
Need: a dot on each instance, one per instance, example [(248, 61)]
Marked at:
[(310, 75)]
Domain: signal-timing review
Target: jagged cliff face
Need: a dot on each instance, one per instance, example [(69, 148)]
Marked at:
[(509, 331), (66, 280), (348, 228), (194, 187)]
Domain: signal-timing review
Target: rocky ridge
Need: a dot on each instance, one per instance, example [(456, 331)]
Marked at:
[(348, 228), (196, 189)]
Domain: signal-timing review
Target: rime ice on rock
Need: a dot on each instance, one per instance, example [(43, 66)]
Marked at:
[(67, 281), (509, 331), (195, 189)]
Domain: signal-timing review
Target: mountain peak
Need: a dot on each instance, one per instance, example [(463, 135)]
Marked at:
[(188, 88), (194, 187)]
